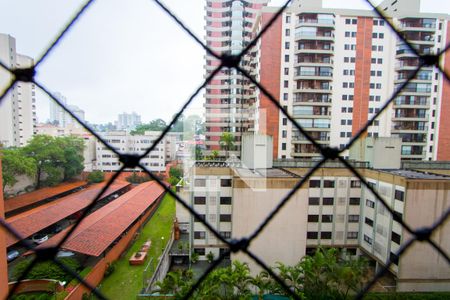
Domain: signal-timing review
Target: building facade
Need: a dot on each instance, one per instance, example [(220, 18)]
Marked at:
[(155, 161), (18, 107), (333, 209), (228, 96), (126, 121), (333, 70), (60, 117)]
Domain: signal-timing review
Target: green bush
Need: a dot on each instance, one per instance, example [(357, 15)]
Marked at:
[(96, 177), (110, 268), (46, 269), (136, 179), (407, 296)]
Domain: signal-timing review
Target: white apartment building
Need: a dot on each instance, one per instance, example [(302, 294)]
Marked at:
[(18, 107), (126, 121), (123, 142), (333, 69), (60, 117), (333, 209)]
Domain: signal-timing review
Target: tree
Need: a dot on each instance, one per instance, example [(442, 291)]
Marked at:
[(154, 125), (175, 174), (15, 163), (96, 176), (210, 257), (49, 159), (198, 153), (59, 158), (73, 148), (227, 142)]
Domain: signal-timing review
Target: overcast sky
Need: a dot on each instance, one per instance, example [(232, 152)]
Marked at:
[(122, 56)]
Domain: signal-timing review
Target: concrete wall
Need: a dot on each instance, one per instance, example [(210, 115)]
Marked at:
[(421, 268), (284, 239)]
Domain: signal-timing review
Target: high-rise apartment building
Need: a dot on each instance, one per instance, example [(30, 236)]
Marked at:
[(228, 97), (333, 69), (59, 117), (18, 107), (126, 121)]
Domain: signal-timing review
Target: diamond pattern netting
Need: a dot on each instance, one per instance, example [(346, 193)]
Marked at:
[(226, 61)]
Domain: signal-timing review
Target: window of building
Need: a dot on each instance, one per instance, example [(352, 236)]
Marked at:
[(284, 121), (286, 58), (199, 200), (327, 218), (313, 201), (393, 258), (370, 203), (286, 84), (348, 21), (328, 201), (395, 238), (313, 218), (312, 235), (374, 35), (354, 201), (288, 19), (325, 235), (368, 222), (368, 240), (353, 218), (200, 182), (225, 182), (314, 183), (399, 195), (355, 183), (352, 235), (199, 251), (199, 235), (225, 218), (286, 71), (287, 32), (225, 200), (328, 183), (354, 21), (226, 234)]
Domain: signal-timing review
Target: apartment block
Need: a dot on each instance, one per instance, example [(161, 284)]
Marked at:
[(128, 121), (333, 70), (155, 161), (332, 209), (228, 98), (18, 107), (59, 117)]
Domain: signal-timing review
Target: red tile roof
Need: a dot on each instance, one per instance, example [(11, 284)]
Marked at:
[(101, 228), (34, 220), (39, 195)]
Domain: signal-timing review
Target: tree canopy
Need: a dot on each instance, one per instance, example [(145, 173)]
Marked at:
[(325, 275), (49, 160), (154, 125)]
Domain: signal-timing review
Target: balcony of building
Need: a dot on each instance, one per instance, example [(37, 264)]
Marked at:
[(410, 63), (419, 37), (311, 99), (413, 138), (312, 19), (421, 76), (415, 88), (311, 111), (318, 73), (417, 24), (322, 137), (313, 86), (408, 101), (404, 50), (305, 150), (314, 33), (410, 151), (311, 46), (314, 59), (313, 124), (409, 127), (410, 114)]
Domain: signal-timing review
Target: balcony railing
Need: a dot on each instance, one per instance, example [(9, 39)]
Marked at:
[(316, 21), (311, 73)]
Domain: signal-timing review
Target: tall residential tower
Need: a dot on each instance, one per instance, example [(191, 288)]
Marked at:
[(229, 99)]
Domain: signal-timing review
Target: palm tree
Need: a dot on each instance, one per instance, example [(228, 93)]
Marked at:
[(227, 142)]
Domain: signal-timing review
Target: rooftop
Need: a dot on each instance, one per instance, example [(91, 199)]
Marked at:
[(37, 219)]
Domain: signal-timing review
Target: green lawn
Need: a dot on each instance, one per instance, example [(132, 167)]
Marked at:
[(126, 281)]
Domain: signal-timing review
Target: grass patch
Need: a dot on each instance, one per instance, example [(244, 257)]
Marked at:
[(127, 280)]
